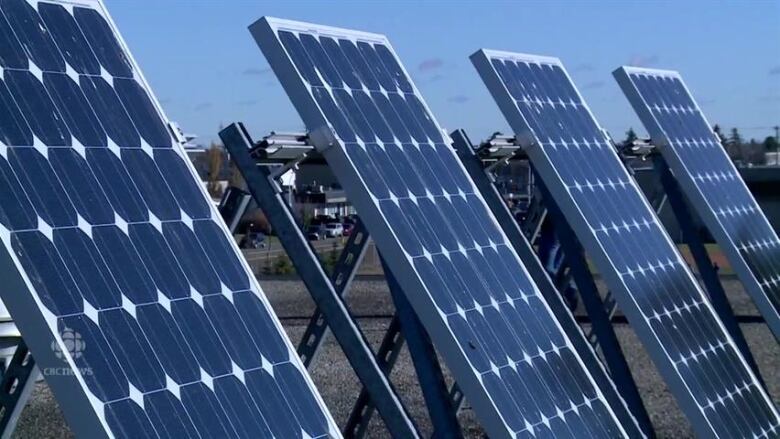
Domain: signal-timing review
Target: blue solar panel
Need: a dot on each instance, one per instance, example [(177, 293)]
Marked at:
[(709, 178), (136, 304), (653, 285), (485, 315)]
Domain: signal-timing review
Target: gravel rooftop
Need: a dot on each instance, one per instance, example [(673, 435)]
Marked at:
[(369, 300)]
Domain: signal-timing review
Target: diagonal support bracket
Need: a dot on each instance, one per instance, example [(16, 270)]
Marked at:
[(343, 274), (441, 409), (352, 341), (599, 315), (16, 387)]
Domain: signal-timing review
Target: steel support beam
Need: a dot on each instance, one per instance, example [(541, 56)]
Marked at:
[(600, 318), (426, 364), (343, 274), (363, 410), (268, 195), (16, 387), (442, 405), (233, 206)]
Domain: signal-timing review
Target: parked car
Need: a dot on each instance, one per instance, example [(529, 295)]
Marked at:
[(348, 228), (315, 233), (322, 219), (334, 230), (253, 240)]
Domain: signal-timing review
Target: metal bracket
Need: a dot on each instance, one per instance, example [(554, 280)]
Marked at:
[(426, 364), (363, 410), (405, 326), (600, 315), (16, 387), (176, 132), (357, 350), (323, 138), (343, 274), (233, 206), (287, 151)]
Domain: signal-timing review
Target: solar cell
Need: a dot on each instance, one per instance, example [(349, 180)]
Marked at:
[(651, 281), (117, 269), (457, 268), (710, 180)]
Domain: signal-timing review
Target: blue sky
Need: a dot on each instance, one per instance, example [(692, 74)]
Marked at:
[(206, 69)]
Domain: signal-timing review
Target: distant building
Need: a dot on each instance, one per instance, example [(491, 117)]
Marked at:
[(316, 191), (319, 201)]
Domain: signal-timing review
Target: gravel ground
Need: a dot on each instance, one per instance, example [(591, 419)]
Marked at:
[(339, 387)]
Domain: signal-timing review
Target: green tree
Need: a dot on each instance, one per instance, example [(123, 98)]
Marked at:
[(236, 178), (214, 158), (755, 152), (283, 265), (731, 143), (719, 132), (630, 136), (735, 138), (770, 144)]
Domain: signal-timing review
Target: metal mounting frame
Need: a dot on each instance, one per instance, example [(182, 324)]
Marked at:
[(233, 205), (16, 386), (404, 325), (267, 193), (442, 410), (613, 356)]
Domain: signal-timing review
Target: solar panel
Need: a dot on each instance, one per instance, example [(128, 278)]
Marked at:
[(710, 180), (122, 279), (651, 281), (462, 277)]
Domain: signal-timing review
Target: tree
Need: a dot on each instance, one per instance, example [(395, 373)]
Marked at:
[(733, 151), (770, 144), (733, 145), (755, 153), (214, 158), (630, 137), (719, 132), (236, 178), (735, 139)]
